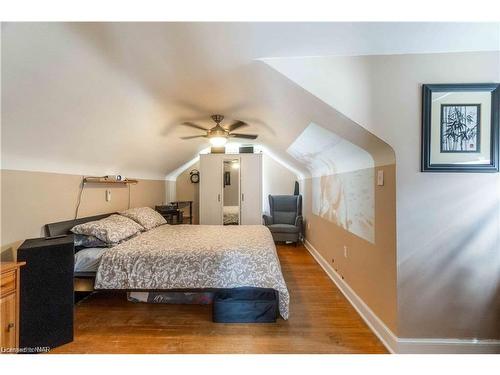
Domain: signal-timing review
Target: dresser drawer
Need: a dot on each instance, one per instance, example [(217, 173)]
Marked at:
[(7, 282)]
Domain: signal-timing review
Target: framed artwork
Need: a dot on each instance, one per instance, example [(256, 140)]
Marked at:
[(460, 127)]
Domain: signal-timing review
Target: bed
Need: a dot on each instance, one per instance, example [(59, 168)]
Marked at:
[(231, 215), (190, 257)]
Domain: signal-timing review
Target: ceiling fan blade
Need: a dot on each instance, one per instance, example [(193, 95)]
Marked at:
[(247, 136), (194, 136), (236, 125), (193, 125)]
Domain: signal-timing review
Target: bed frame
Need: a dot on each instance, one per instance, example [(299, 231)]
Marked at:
[(84, 281), (63, 228)]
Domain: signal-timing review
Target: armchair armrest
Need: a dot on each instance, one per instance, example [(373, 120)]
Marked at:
[(299, 222), (268, 220)]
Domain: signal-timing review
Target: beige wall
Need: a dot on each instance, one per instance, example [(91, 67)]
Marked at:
[(32, 199), (448, 224), (369, 268)]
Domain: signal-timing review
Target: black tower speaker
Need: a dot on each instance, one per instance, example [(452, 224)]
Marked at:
[(46, 299)]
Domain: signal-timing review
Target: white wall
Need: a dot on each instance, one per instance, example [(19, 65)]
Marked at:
[(448, 224), (84, 115), (276, 180)]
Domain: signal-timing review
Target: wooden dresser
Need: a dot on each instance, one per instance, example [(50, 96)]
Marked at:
[(9, 305)]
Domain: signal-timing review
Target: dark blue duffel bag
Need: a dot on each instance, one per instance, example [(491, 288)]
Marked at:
[(245, 305)]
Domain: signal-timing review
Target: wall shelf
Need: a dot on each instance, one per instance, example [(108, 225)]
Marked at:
[(97, 180)]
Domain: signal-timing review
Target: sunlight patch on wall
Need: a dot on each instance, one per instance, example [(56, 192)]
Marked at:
[(342, 180)]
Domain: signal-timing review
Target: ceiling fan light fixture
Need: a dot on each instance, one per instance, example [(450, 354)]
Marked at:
[(219, 135), (218, 141)]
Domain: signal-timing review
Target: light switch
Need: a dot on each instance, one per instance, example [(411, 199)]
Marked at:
[(380, 178)]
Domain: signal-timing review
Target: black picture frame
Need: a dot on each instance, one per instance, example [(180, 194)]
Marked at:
[(427, 91)]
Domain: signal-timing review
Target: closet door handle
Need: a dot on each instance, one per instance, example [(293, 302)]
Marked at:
[(218, 197), (242, 197)]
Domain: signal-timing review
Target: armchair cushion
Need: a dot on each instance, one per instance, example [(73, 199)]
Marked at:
[(284, 217), (283, 228)]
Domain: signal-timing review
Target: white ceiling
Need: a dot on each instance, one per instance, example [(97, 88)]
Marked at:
[(96, 98)]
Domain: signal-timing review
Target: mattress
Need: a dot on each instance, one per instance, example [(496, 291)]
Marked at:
[(195, 257), (87, 260)]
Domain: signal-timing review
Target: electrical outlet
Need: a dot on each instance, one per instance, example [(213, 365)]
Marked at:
[(346, 252), (108, 195)]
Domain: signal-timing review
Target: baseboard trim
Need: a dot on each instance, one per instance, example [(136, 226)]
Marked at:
[(394, 344), (378, 327), (447, 346)]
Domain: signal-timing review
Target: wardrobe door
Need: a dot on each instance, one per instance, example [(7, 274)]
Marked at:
[(210, 189), (251, 189)]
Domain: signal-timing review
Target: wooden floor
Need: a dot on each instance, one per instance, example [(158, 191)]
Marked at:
[(321, 321)]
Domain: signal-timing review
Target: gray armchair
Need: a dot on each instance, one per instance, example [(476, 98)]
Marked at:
[(285, 219)]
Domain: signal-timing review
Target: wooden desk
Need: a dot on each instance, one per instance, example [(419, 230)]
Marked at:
[(9, 305), (182, 204), (169, 212)]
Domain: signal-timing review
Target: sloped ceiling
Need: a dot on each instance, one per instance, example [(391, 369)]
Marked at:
[(99, 98)]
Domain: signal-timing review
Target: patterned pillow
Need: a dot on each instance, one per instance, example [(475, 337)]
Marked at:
[(145, 216), (112, 229)]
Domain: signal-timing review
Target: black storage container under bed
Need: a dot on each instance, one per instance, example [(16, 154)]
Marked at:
[(245, 305)]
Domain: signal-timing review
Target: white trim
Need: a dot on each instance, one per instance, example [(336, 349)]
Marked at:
[(393, 343), (448, 346)]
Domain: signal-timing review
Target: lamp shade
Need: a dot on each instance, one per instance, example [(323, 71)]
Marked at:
[(218, 141)]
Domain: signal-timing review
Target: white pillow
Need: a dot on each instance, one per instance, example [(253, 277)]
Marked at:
[(112, 229), (87, 260), (145, 216)]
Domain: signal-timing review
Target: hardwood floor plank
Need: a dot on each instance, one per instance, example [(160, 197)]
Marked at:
[(321, 321)]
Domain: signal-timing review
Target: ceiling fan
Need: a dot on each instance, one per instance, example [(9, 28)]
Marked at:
[(218, 135)]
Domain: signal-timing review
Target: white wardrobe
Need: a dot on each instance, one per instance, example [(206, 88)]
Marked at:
[(215, 180)]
